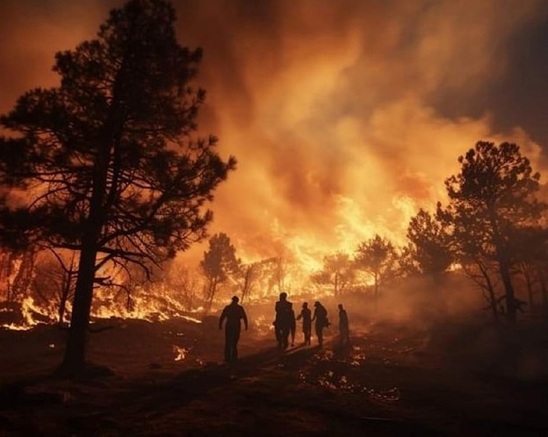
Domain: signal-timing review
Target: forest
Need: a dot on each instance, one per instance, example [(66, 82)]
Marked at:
[(104, 329)]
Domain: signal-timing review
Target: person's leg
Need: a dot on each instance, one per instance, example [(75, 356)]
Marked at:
[(236, 338), (285, 338), (279, 337), (320, 336), (228, 346)]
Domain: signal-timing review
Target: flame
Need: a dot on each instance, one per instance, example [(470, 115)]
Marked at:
[(341, 132), (180, 352), (31, 315), (155, 304)]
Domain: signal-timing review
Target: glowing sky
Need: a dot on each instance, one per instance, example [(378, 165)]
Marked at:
[(345, 116)]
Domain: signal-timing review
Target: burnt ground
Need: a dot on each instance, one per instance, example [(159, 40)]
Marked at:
[(451, 379)]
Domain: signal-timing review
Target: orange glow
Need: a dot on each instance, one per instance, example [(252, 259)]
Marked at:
[(334, 110)]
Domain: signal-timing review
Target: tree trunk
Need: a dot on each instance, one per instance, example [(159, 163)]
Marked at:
[(529, 284), (376, 290), (212, 289), (74, 361), (64, 298), (490, 290), (509, 291), (504, 267), (66, 285)]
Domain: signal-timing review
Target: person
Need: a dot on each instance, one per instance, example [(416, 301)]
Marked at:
[(344, 330), (233, 314), (320, 316), (293, 326), (306, 316), (283, 321)]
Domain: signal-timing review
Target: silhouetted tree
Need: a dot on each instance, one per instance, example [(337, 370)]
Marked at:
[(116, 171), (490, 197), (9, 262), (429, 243), (529, 247), (266, 277), (248, 276), (483, 273), (23, 275), (55, 280), (407, 261), (218, 265), (278, 268), (338, 272), (185, 284), (377, 257)]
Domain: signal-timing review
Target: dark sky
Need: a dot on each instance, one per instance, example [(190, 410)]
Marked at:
[(346, 116)]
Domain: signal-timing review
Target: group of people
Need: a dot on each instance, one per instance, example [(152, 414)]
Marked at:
[(285, 323)]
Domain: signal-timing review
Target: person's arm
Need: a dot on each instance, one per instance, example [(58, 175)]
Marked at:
[(223, 316)]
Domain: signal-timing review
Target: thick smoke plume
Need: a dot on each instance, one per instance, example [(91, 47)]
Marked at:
[(345, 117)]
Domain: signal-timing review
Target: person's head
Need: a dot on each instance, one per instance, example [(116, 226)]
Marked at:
[(317, 304), (283, 295), (340, 306), (305, 305), (235, 299)]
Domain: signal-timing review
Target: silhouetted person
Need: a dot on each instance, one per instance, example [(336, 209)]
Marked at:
[(233, 314), (320, 316), (306, 316), (344, 329), (293, 326), (283, 321)]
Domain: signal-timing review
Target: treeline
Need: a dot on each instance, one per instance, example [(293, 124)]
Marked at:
[(492, 229)]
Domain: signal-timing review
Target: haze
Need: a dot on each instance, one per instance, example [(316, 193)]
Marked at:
[(345, 117)]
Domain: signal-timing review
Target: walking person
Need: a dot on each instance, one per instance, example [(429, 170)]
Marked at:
[(284, 320), (233, 314), (306, 316), (320, 316), (344, 329)]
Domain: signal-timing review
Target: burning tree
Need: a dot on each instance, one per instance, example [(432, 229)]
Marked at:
[(338, 271), (107, 164), (490, 200), (184, 283), (16, 272), (54, 281), (248, 276)]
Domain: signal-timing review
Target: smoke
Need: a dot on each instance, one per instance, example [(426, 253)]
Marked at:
[(344, 116)]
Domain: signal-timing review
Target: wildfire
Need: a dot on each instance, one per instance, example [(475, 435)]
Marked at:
[(180, 352), (30, 315)]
